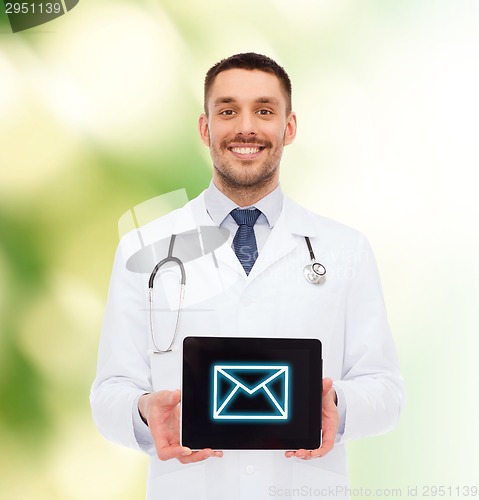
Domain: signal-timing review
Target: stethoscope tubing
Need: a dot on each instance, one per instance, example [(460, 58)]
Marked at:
[(313, 272), (175, 260), (168, 258)]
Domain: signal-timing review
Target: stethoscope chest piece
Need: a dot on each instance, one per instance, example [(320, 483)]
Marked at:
[(315, 273)]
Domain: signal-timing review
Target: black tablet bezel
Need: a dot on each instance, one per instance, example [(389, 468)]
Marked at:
[(303, 428)]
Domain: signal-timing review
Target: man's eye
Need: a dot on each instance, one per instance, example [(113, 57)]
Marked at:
[(264, 112), (227, 112)]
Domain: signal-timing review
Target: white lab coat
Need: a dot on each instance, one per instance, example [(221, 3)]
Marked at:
[(346, 313)]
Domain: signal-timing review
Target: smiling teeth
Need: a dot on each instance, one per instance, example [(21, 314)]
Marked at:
[(245, 151)]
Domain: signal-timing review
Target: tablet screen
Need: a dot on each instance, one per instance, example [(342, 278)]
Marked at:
[(251, 393)]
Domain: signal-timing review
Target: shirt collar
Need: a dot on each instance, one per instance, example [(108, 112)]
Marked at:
[(219, 205)]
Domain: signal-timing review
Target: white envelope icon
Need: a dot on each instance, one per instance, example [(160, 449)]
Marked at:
[(266, 385)]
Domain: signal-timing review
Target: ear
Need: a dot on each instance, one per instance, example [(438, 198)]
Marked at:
[(204, 130), (291, 126)]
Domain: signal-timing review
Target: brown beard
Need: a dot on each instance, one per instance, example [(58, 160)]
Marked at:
[(244, 188)]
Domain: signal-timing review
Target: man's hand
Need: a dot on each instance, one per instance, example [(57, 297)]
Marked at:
[(162, 412), (329, 425)]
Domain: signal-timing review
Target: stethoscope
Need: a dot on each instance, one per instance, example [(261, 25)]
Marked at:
[(168, 258), (314, 273)]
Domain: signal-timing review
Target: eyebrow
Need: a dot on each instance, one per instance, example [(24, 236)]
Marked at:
[(224, 100), (259, 100), (267, 100)]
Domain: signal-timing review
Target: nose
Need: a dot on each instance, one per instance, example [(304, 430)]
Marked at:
[(246, 124)]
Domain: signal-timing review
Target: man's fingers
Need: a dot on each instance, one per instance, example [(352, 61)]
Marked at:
[(330, 426), (175, 397), (326, 446), (163, 419), (164, 399), (198, 456), (169, 452), (185, 455), (327, 385), (302, 453)]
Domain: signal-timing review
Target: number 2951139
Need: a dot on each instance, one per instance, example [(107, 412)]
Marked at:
[(33, 8)]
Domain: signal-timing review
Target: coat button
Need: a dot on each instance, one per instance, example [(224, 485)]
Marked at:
[(249, 469)]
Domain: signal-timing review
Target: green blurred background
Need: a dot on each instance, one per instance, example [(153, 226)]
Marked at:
[(98, 113)]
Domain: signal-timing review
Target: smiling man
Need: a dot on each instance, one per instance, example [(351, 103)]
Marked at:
[(247, 122), (261, 291)]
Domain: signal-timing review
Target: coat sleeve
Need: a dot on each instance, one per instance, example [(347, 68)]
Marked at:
[(123, 371), (371, 385)]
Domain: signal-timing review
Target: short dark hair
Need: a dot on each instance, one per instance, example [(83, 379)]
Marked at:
[(250, 61)]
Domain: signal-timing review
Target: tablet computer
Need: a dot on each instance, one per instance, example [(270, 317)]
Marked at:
[(251, 393)]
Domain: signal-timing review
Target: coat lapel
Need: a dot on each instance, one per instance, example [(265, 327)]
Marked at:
[(279, 244), (294, 221), (193, 216)]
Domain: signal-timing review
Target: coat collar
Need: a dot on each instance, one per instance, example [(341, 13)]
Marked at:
[(298, 220), (294, 218), (294, 221)]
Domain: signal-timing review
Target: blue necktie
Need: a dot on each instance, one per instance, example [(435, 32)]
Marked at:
[(244, 242)]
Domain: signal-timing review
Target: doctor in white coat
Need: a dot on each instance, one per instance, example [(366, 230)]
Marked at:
[(247, 122)]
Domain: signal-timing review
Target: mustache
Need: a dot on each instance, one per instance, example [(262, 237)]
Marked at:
[(240, 139)]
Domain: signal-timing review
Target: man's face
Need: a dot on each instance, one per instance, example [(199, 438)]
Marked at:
[(246, 128)]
